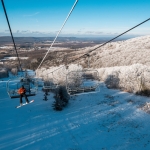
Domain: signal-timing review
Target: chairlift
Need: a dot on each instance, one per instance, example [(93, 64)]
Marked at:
[(50, 83), (29, 73), (13, 85), (39, 81), (82, 82)]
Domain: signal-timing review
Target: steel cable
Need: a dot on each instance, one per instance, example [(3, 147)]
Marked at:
[(58, 32), (11, 33)]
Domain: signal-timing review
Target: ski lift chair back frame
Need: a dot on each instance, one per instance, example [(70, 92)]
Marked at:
[(82, 82), (49, 83)]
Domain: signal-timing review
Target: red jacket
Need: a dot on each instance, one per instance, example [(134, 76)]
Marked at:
[(21, 90)]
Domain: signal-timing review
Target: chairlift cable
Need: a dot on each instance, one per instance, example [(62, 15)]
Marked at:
[(59, 32), (112, 39), (11, 33)]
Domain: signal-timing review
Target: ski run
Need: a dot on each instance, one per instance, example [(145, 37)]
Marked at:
[(107, 120)]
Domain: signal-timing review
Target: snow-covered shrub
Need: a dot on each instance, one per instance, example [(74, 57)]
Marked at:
[(57, 74), (134, 78), (3, 73), (74, 79), (14, 71), (112, 81)]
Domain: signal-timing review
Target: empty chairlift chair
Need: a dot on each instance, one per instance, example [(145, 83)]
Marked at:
[(49, 82), (82, 82)]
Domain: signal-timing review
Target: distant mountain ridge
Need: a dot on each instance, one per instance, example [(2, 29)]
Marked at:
[(22, 40)]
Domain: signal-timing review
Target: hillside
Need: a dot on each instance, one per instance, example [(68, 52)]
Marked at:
[(119, 53), (123, 53)]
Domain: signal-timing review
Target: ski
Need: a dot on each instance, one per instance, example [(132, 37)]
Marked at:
[(25, 104)]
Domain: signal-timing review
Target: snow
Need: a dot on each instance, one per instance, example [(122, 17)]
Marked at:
[(14, 58), (107, 120), (6, 47)]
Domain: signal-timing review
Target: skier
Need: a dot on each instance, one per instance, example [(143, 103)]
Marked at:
[(22, 92)]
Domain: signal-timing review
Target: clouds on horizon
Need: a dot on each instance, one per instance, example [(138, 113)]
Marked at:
[(79, 33)]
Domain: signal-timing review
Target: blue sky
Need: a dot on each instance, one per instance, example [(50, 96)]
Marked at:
[(90, 18)]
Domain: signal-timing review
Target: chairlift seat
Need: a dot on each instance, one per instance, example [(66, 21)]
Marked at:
[(49, 84), (50, 87), (14, 94), (14, 85)]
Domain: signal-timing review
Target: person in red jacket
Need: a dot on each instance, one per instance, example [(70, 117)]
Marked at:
[(22, 92)]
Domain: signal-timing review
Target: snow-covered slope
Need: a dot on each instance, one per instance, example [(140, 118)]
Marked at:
[(108, 120), (122, 53)]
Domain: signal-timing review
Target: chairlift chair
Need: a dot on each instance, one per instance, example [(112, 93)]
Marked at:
[(49, 82), (49, 85), (29, 73), (82, 82), (30, 85)]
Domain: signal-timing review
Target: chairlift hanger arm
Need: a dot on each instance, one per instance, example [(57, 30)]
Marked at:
[(11, 33)]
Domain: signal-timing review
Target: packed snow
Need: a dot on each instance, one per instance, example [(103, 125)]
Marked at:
[(107, 120)]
